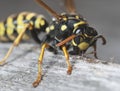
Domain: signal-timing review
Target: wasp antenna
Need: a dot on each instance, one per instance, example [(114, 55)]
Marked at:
[(103, 39), (66, 40), (70, 6), (45, 6)]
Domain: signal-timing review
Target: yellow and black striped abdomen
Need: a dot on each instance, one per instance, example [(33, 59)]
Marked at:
[(14, 24)]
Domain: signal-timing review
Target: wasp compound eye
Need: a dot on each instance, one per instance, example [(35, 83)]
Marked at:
[(90, 31)]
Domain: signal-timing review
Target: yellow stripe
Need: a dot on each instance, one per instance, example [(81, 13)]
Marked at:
[(2, 29), (20, 21), (29, 16), (10, 25), (88, 36), (79, 23), (73, 42), (42, 22), (37, 22), (75, 29), (20, 28)]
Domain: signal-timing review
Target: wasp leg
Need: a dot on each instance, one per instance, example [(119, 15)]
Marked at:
[(69, 71), (95, 51), (39, 76), (16, 43)]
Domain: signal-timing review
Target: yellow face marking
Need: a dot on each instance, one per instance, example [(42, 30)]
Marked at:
[(10, 26), (63, 27), (88, 36), (83, 45), (73, 42), (79, 23), (52, 27), (2, 29)]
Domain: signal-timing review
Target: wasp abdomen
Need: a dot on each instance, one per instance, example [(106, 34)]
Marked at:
[(14, 24)]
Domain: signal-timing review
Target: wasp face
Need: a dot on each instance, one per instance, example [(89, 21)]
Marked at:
[(85, 37)]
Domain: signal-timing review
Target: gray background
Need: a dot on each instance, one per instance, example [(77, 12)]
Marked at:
[(104, 15)]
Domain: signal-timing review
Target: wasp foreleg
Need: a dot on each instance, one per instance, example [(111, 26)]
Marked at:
[(69, 71), (39, 76)]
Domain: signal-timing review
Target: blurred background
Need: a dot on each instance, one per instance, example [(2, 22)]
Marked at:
[(103, 15)]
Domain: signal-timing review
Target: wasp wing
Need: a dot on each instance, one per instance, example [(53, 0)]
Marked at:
[(70, 6)]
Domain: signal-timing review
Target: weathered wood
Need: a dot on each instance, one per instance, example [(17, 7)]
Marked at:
[(21, 70)]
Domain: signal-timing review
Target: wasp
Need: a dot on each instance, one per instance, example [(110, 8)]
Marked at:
[(68, 30)]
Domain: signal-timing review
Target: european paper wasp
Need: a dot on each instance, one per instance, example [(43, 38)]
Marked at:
[(66, 30)]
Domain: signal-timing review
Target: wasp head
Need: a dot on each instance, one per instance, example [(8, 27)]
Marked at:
[(85, 37)]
